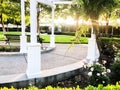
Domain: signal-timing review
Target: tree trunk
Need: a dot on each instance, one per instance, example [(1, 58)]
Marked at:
[(3, 27), (112, 31), (38, 23), (95, 27), (107, 22)]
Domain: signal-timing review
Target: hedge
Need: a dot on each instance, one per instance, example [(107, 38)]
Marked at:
[(99, 87)]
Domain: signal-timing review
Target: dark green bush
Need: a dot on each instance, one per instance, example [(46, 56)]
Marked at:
[(115, 68), (107, 49), (9, 48), (98, 74)]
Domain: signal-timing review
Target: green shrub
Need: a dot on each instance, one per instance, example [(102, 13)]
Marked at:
[(110, 56), (9, 48), (108, 49), (115, 68), (2, 37), (98, 74), (117, 56), (90, 87), (2, 48), (101, 87)]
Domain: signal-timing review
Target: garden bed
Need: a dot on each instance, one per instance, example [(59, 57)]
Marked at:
[(9, 48)]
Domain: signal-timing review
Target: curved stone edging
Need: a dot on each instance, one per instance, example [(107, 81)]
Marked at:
[(47, 76), (18, 53)]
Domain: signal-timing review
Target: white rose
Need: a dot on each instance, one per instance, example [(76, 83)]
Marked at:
[(103, 81), (90, 74), (108, 70), (103, 73), (98, 74), (92, 69)]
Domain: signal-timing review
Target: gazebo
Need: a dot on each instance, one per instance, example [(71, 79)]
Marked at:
[(33, 49)]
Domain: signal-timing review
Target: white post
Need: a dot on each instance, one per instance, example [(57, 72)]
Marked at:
[(34, 48), (33, 21), (34, 61), (23, 39), (52, 37), (93, 52), (59, 28)]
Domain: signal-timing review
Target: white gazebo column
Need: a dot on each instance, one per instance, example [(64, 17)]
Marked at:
[(23, 39), (34, 48), (93, 52), (52, 37)]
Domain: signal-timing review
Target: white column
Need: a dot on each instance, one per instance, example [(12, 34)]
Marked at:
[(52, 37), (34, 61), (23, 39), (34, 48), (93, 52), (33, 21)]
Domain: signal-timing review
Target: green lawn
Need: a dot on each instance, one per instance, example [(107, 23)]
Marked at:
[(64, 39), (58, 38), (1, 33)]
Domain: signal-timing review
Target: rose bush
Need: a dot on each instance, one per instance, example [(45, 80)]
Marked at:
[(98, 74)]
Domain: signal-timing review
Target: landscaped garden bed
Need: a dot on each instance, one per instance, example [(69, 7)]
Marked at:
[(99, 87), (110, 59), (9, 48), (106, 71)]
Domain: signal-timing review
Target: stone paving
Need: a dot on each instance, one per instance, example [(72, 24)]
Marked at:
[(59, 57)]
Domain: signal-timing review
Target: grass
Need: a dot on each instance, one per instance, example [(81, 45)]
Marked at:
[(66, 39), (13, 32), (2, 37)]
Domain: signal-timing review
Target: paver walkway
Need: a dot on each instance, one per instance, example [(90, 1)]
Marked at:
[(61, 56)]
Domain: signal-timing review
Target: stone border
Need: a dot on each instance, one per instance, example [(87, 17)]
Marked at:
[(18, 53), (47, 76)]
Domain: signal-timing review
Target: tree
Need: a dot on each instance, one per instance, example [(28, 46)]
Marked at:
[(77, 11), (9, 10), (42, 11), (94, 8), (108, 13)]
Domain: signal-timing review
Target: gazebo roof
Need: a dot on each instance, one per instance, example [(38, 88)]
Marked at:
[(47, 2), (62, 1), (52, 2)]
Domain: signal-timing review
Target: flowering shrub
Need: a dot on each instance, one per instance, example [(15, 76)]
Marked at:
[(98, 74), (117, 56), (115, 68), (9, 48), (108, 50), (107, 54)]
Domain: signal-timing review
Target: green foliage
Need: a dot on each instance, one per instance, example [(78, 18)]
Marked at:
[(58, 38), (97, 74), (117, 56), (81, 32), (115, 67), (9, 48), (101, 87), (109, 40), (90, 87), (108, 49), (10, 11), (64, 39), (2, 37)]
